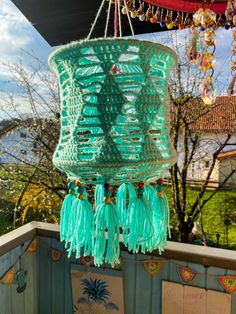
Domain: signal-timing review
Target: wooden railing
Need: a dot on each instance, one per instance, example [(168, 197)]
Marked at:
[(179, 251)]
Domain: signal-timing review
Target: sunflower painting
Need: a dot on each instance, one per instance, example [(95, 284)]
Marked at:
[(97, 291)]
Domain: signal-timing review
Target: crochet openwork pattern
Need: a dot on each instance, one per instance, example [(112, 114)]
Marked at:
[(114, 110)]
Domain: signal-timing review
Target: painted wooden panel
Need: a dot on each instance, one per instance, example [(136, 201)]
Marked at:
[(11, 301), (142, 292), (58, 281), (5, 290), (184, 299), (172, 298), (45, 280), (49, 284), (129, 273), (218, 302), (195, 301)]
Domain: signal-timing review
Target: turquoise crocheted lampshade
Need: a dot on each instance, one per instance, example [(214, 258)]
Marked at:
[(114, 110), (114, 130)]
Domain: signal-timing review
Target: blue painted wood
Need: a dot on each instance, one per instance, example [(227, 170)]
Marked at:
[(129, 281), (49, 283), (5, 291), (68, 288), (58, 280), (17, 299), (31, 292), (142, 287), (45, 278), (156, 292), (212, 280), (11, 301)]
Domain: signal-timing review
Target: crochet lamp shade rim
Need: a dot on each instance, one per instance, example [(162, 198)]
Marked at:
[(87, 43)]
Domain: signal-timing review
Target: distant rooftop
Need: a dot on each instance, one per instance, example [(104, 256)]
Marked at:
[(221, 118)]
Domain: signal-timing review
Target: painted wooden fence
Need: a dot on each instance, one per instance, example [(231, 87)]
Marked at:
[(48, 288), (12, 302)]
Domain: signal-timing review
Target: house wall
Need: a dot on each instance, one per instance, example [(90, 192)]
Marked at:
[(226, 166), (14, 143), (202, 160)]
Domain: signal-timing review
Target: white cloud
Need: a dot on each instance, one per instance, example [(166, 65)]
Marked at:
[(14, 30)]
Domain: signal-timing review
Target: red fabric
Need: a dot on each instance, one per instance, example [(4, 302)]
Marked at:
[(187, 6)]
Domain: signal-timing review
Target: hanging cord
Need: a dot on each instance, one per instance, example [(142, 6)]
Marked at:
[(129, 19), (119, 17), (96, 19), (116, 19), (108, 18)]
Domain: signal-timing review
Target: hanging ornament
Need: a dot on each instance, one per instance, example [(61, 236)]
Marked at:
[(140, 12), (153, 19), (152, 266), (210, 37), (114, 131), (207, 62), (194, 50), (230, 89), (32, 246), (208, 91), (81, 225), (186, 274), (187, 21), (228, 283), (181, 24), (230, 10), (55, 255), (20, 278), (149, 13), (168, 17), (8, 277), (87, 260), (177, 21), (204, 18)]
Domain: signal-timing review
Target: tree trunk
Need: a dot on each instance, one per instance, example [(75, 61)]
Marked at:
[(184, 231)]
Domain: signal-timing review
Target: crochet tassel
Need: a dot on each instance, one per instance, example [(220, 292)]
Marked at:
[(121, 201), (82, 224), (66, 211), (149, 193), (161, 218), (138, 229), (99, 195), (106, 247)]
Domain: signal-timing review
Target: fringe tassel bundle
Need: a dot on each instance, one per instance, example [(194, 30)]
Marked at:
[(142, 215)]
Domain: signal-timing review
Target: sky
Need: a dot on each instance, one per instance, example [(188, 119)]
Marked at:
[(18, 35)]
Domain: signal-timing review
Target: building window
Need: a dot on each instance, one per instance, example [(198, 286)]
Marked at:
[(193, 166), (22, 135), (23, 152), (207, 164)]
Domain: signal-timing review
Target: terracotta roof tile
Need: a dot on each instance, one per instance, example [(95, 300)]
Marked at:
[(220, 118)]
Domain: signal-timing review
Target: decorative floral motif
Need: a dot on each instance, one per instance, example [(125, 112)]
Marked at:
[(228, 283), (152, 266), (186, 274)]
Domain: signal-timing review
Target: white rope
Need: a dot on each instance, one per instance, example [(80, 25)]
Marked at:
[(108, 18), (129, 19), (119, 16), (96, 19)]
